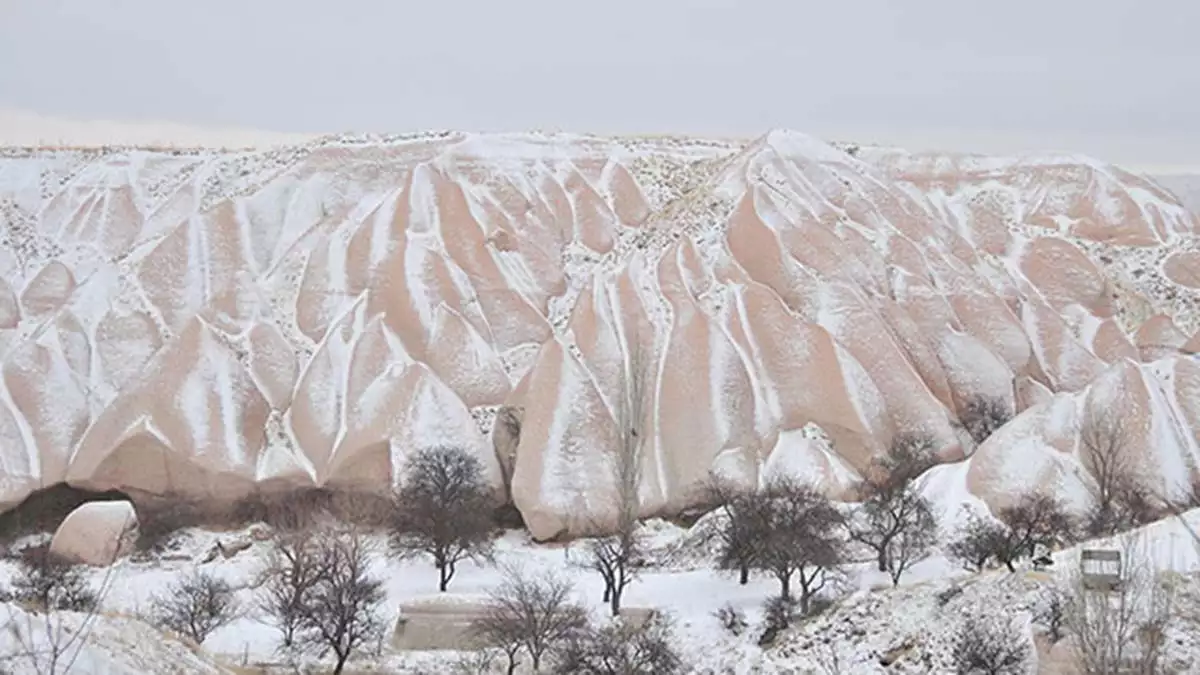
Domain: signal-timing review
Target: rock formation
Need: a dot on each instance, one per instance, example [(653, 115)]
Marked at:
[(207, 324)]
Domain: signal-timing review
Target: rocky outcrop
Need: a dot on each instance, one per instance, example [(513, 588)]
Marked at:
[(96, 533), (312, 315)]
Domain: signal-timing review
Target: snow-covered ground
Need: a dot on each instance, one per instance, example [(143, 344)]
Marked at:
[(868, 620)]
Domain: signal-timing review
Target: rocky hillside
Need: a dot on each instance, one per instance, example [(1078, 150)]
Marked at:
[(208, 324)]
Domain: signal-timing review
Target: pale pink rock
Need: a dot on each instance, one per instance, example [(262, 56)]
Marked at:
[(272, 364), (314, 317), (1159, 337), (10, 311), (48, 290), (96, 533), (1183, 268)]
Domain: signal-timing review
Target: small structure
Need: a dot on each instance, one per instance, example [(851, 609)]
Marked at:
[(1100, 569), (438, 622)]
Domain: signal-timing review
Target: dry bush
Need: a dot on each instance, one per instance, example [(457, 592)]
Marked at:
[(986, 647), (983, 415), (731, 619), (195, 606), (621, 648), (530, 614), (44, 582), (300, 509), (161, 518), (1052, 613), (778, 612), (799, 534), (444, 510), (61, 611)]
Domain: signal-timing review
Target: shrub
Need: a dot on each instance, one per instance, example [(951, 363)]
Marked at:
[(990, 648), (732, 619), (778, 612), (622, 648), (46, 582), (195, 606)]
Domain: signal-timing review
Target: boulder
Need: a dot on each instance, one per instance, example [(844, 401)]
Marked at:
[(96, 533)]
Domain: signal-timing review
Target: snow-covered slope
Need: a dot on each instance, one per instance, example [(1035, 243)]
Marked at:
[(204, 323)]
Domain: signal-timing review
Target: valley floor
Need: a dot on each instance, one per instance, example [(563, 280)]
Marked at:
[(914, 623)]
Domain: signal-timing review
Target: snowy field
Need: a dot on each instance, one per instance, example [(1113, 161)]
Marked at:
[(869, 619)]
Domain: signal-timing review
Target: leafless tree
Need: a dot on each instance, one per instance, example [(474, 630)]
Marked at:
[(195, 605), (444, 509), (530, 614), (1036, 519), (983, 415), (622, 648), (1121, 500), (984, 647), (892, 506), (1122, 630), (800, 537), (340, 610), (737, 537), (899, 526), (978, 543), (913, 542), (615, 556), (294, 566)]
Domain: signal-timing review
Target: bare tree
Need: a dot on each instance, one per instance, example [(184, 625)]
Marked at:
[(738, 540), (984, 647), (892, 506), (800, 536), (899, 526), (622, 648), (1123, 629), (294, 566), (1036, 519), (983, 415), (913, 542), (978, 543), (615, 556), (530, 614), (195, 606), (340, 611), (1121, 500), (444, 509), (1052, 613)]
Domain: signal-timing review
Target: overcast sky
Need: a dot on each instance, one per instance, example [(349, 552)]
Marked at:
[(1115, 78)]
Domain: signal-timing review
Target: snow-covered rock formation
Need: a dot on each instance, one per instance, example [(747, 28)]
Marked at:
[(208, 324)]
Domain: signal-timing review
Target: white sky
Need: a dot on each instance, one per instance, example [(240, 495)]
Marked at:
[(1118, 79)]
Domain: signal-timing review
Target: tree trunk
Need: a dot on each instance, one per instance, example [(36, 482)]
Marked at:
[(615, 605), (607, 590), (341, 662), (882, 559), (443, 577), (512, 664), (744, 578), (785, 586)]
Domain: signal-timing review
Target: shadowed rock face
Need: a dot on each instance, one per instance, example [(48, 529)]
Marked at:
[(202, 324)]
